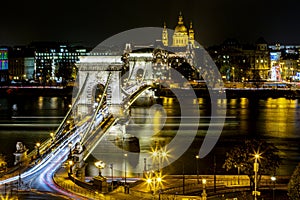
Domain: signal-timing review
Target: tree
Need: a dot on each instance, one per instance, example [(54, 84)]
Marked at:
[(243, 156), (3, 163), (294, 184)]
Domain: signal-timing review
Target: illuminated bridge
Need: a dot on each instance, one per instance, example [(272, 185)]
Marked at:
[(106, 88)]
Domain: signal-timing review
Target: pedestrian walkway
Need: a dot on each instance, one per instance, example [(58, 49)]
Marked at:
[(172, 187), (62, 180)]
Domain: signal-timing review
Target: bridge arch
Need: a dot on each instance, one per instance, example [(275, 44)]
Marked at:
[(99, 72), (97, 92)]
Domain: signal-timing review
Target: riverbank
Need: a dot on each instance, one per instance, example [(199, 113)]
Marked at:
[(228, 92), (36, 91), (232, 92)]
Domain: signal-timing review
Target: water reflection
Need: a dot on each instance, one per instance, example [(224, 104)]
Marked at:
[(275, 120)]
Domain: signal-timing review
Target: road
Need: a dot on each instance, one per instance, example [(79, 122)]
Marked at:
[(39, 176)]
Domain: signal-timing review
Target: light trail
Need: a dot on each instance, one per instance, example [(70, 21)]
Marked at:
[(37, 117)]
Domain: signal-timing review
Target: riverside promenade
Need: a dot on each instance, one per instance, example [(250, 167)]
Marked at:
[(176, 187)]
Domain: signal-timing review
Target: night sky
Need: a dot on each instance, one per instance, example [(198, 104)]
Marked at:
[(90, 22)]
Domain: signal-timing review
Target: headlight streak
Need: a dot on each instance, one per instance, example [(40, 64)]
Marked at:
[(60, 151)]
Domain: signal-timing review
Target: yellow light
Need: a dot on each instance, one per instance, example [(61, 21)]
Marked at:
[(38, 144), (257, 156), (70, 162), (197, 157), (8, 197), (100, 164), (154, 153), (149, 180), (203, 181), (158, 179)]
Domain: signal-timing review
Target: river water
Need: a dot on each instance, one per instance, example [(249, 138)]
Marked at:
[(31, 119)]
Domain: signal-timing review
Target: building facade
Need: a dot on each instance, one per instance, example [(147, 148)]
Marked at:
[(55, 62), (3, 64), (181, 36)]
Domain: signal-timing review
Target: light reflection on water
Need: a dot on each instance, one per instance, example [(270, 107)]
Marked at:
[(31, 122), (277, 120)]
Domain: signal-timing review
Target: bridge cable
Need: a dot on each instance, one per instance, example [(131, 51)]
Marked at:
[(112, 123), (73, 104), (129, 77), (65, 118), (98, 107)]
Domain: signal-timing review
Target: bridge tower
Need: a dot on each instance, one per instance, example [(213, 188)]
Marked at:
[(96, 69), (140, 67)]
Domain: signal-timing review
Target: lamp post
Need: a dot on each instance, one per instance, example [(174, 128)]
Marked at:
[(38, 149), (154, 181), (238, 166), (70, 147), (273, 179), (197, 168), (204, 189), (256, 166), (52, 136), (149, 182), (158, 180), (70, 165), (112, 176), (125, 166), (100, 165), (159, 156)]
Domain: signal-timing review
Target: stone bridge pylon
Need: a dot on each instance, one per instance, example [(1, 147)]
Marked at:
[(97, 70)]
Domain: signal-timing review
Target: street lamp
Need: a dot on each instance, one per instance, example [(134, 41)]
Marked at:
[(100, 165), (70, 165), (233, 74), (52, 136), (204, 189), (112, 176), (159, 155), (38, 149), (239, 170), (197, 168), (70, 147), (125, 166), (273, 179), (154, 181), (159, 180), (255, 168)]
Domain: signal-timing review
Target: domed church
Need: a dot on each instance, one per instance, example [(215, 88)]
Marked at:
[(181, 37)]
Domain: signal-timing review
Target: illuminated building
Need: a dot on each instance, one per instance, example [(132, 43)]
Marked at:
[(179, 55), (56, 61), (261, 66), (239, 62), (286, 59), (181, 36), (19, 67), (3, 64)]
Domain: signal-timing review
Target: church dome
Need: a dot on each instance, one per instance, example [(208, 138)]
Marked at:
[(180, 28)]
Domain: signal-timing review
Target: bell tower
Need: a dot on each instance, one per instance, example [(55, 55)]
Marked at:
[(165, 40), (191, 34)]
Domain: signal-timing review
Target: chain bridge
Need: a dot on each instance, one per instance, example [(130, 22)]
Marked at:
[(106, 87)]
